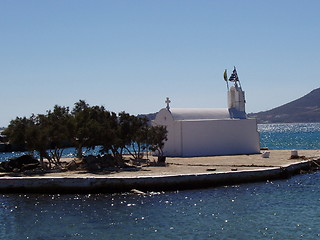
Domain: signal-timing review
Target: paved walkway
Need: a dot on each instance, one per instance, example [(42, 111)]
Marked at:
[(197, 165), (215, 164), (179, 173)]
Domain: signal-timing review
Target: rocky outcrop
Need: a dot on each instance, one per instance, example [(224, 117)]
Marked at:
[(19, 164), (97, 163)]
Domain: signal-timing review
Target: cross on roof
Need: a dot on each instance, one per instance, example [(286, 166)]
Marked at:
[(168, 102)]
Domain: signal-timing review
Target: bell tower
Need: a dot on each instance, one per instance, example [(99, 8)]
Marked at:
[(236, 97)]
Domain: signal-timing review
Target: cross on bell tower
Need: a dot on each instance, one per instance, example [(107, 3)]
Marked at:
[(168, 102)]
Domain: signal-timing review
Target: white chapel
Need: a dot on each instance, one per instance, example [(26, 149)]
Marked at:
[(210, 131)]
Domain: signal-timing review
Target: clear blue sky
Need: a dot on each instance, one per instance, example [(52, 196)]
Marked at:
[(130, 55)]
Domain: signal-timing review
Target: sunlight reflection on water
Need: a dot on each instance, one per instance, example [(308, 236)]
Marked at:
[(284, 209)]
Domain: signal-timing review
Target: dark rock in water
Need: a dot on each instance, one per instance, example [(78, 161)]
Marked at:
[(25, 162)]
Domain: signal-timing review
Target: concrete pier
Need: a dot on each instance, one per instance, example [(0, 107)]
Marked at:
[(180, 173)]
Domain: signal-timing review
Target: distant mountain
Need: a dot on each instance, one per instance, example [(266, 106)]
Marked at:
[(302, 110), (149, 116)]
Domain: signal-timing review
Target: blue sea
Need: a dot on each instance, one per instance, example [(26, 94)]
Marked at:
[(282, 209)]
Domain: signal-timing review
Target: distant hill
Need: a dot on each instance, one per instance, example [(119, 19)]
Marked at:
[(150, 116), (302, 110)]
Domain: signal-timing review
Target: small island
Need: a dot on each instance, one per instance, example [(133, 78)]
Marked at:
[(131, 152)]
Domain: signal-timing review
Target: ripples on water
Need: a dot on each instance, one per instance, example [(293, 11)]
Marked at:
[(284, 209), (67, 152), (290, 136)]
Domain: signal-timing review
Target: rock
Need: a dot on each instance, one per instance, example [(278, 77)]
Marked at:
[(92, 163), (96, 163), (20, 163), (211, 169), (71, 166), (108, 161), (136, 191), (30, 166), (161, 159), (90, 159)]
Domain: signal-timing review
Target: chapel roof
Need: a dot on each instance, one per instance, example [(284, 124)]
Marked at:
[(199, 113)]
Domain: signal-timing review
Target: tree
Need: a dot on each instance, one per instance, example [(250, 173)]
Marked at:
[(88, 127), (135, 132), (16, 131), (157, 135), (29, 133), (58, 126), (84, 127), (110, 137), (37, 137), (42, 133)]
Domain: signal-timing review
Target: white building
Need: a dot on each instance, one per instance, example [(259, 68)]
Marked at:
[(210, 131)]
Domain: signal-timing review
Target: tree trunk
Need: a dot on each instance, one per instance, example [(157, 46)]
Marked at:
[(79, 152)]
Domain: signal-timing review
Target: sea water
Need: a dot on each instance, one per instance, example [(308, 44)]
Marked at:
[(290, 136), (281, 209), (284, 209)]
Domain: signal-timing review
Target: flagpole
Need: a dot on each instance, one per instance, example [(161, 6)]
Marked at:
[(238, 77), (227, 85), (239, 83)]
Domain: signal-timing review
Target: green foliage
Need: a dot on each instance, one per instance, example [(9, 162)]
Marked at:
[(157, 136), (85, 126), (135, 131), (30, 133), (16, 131), (58, 127)]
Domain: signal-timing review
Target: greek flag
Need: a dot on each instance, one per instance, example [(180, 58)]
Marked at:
[(234, 76)]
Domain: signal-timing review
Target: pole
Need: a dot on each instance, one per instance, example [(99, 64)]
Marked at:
[(238, 77)]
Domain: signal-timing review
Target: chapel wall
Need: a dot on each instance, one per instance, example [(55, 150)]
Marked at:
[(173, 144), (219, 137)]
